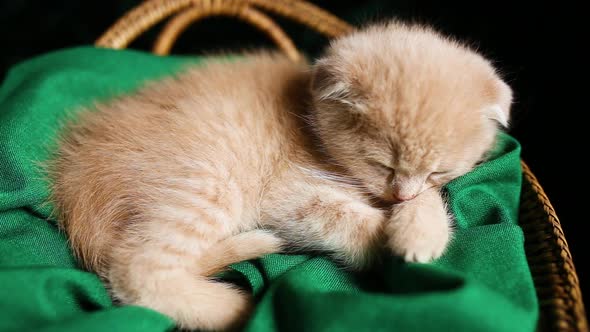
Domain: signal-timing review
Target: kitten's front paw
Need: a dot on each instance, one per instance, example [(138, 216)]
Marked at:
[(417, 232)]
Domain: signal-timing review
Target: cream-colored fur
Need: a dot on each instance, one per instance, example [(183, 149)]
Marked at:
[(161, 189)]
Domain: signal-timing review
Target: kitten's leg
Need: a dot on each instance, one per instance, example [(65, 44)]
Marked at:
[(327, 218), (420, 229), (237, 248), (164, 261)]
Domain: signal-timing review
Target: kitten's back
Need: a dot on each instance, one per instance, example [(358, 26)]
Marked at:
[(223, 117)]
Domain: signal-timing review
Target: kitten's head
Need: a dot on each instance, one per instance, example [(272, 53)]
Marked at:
[(404, 109)]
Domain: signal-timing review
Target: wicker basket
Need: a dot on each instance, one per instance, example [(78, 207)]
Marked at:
[(548, 254)]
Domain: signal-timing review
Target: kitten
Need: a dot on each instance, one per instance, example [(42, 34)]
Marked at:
[(161, 189)]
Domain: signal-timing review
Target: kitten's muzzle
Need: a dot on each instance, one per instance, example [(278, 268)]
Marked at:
[(402, 198)]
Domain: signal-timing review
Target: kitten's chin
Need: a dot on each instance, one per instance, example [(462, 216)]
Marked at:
[(381, 203), (394, 201)]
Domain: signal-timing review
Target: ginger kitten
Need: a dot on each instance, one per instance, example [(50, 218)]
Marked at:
[(161, 189)]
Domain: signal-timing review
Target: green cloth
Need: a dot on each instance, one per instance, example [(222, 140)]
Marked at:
[(482, 283)]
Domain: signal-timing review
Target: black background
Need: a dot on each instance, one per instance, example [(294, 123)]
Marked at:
[(536, 46)]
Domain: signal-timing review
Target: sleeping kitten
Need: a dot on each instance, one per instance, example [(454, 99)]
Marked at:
[(161, 189)]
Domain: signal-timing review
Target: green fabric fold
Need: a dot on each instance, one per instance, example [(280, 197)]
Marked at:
[(482, 283)]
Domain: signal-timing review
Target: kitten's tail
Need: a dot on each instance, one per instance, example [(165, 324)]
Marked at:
[(184, 292)]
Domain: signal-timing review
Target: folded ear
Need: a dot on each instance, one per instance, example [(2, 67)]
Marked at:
[(500, 111), (332, 86), (325, 85), (496, 113)]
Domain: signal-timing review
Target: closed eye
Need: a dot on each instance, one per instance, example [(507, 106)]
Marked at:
[(382, 167)]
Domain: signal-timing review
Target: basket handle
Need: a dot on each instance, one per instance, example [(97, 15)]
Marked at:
[(181, 21), (150, 12)]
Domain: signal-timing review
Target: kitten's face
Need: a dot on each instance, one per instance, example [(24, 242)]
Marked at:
[(404, 110)]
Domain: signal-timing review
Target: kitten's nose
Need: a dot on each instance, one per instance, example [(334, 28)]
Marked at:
[(403, 197)]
